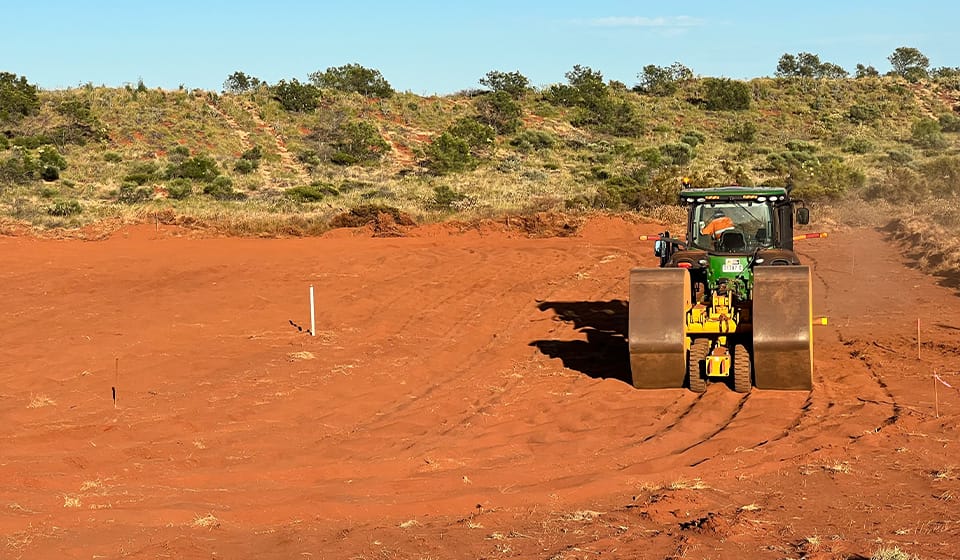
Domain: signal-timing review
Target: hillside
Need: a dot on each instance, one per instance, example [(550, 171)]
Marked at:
[(245, 164)]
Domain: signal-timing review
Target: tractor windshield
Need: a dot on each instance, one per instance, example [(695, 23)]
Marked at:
[(732, 226)]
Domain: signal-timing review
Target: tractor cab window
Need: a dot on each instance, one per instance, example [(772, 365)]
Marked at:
[(733, 227)]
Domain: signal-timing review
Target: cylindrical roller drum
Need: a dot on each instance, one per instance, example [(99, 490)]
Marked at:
[(659, 300), (782, 327)]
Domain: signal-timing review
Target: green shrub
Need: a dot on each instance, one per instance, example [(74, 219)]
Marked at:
[(858, 146), (359, 142), (679, 154), (31, 142), (651, 156), (238, 82), (830, 179), (19, 167), (244, 166), (449, 153), (693, 138), (724, 94), (499, 110), (49, 156), (178, 153), (179, 189), (663, 81), (311, 158), (18, 98), (642, 188), (221, 188), (296, 97), (64, 208), (513, 84), (249, 160), (353, 78), (112, 157), (927, 134), (343, 158), (254, 154), (131, 193), (444, 197), (141, 173), (476, 134), (311, 193), (799, 146), (530, 140), (949, 122), (864, 113), (897, 156), (743, 132), (198, 168), (50, 173)]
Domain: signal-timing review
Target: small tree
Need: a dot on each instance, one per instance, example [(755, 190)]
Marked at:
[(663, 80), (448, 153), (724, 94), (476, 134), (866, 72), (587, 82), (353, 78), (807, 65), (909, 63), (945, 72), (17, 97), (238, 82), (296, 97), (500, 111), (361, 141), (514, 84)]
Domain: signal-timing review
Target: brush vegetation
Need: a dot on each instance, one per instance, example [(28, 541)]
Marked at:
[(287, 158)]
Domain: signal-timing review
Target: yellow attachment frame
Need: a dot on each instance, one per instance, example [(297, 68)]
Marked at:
[(718, 362), (718, 318)]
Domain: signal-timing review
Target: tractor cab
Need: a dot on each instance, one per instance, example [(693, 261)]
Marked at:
[(756, 222)]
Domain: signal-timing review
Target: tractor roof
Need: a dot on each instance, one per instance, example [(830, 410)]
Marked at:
[(690, 195)]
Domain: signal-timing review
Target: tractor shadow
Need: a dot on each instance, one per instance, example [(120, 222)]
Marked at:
[(604, 354)]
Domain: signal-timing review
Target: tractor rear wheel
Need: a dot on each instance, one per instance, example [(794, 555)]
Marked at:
[(699, 348), (742, 369)]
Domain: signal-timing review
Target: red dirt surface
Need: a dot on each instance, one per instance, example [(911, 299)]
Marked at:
[(464, 397)]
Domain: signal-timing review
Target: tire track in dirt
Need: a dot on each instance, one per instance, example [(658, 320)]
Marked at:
[(463, 305)]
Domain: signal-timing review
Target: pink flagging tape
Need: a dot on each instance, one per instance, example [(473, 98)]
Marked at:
[(937, 377)]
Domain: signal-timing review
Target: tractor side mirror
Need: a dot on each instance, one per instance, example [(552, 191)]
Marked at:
[(803, 216)]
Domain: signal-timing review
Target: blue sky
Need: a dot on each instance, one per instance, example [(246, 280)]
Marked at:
[(440, 47)]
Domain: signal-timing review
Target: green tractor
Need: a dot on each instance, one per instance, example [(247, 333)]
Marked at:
[(730, 302)]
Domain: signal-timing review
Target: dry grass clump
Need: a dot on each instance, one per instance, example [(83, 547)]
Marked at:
[(40, 401), (208, 521), (893, 554)]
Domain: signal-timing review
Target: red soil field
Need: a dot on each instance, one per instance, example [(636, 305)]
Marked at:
[(466, 396)]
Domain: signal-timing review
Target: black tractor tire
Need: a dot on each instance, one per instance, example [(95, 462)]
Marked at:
[(699, 348), (742, 369)]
